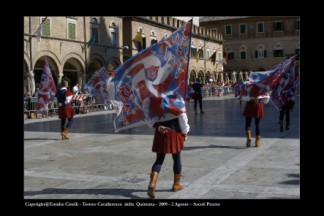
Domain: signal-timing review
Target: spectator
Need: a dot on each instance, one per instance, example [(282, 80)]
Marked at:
[(197, 96)]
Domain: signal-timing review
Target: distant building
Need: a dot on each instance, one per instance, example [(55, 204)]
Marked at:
[(195, 20), (255, 43), (77, 47)]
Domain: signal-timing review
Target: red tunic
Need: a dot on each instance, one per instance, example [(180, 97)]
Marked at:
[(253, 109), (66, 111), (170, 142)]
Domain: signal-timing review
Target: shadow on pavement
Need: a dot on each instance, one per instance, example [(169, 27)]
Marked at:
[(117, 191)]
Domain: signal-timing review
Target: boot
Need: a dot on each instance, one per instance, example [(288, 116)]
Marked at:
[(281, 125), (152, 184), (176, 184), (287, 125), (64, 133), (257, 141), (248, 138)]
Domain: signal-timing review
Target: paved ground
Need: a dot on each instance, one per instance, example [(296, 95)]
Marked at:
[(97, 163)]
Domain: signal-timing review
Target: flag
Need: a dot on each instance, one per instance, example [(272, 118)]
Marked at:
[(262, 83), (198, 53), (98, 86), (47, 88), (285, 89), (152, 85), (213, 58), (38, 32), (138, 41)]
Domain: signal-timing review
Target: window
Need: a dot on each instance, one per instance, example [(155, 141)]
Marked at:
[(143, 44), (113, 31), (71, 30), (193, 52), (153, 37), (94, 30), (243, 51), (228, 29), (242, 28), (201, 53), (46, 27), (277, 26), (278, 50), (243, 55), (260, 27), (297, 24), (228, 54), (297, 51), (260, 52), (277, 53)]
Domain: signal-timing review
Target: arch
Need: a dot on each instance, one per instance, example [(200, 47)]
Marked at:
[(73, 71), (228, 49), (208, 77), (278, 46), (94, 65), (50, 54), (113, 24), (201, 75), (94, 20), (192, 76), (74, 55), (243, 48)]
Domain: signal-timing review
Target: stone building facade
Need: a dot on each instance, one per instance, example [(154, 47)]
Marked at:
[(255, 43), (77, 47)]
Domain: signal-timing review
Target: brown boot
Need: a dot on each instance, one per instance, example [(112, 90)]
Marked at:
[(281, 126), (152, 184), (64, 133), (176, 184), (257, 141), (248, 138), (287, 126)]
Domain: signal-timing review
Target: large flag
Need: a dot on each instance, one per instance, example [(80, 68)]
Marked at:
[(98, 86), (47, 89), (285, 89), (152, 85), (262, 83)]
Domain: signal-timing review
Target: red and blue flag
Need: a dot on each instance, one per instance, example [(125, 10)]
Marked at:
[(47, 89), (152, 85)]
